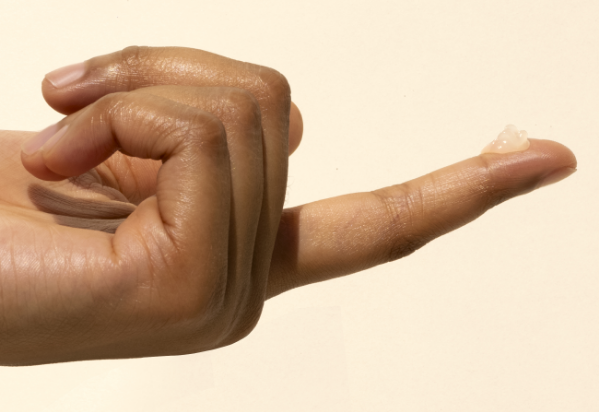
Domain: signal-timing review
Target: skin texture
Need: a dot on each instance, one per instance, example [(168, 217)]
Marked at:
[(155, 225)]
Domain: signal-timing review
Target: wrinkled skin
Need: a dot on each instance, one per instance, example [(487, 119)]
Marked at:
[(171, 244)]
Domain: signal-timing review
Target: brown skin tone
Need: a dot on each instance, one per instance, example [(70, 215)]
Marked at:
[(195, 195)]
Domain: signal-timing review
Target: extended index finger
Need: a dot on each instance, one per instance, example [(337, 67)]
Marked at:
[(338, 236)]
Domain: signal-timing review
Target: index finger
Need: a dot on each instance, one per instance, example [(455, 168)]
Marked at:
[(338, 236)]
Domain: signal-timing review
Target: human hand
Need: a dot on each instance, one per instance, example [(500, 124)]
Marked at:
[(314, 242), (240, 211), (194, 249)]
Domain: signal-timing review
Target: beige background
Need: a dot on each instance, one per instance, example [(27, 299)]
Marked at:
[(501, 315)]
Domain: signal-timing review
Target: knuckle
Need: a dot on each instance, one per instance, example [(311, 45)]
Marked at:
[(109, 104), (132, 56), (241, 97), (123, 70), (131, 62), (401, 207), (273, 84), (205, 131), (241, 110), (243, 105), (484, 185)]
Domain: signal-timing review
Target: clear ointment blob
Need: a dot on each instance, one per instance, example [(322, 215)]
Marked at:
[(510, 140)]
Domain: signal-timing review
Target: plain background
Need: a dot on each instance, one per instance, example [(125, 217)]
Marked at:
[(500, 315)]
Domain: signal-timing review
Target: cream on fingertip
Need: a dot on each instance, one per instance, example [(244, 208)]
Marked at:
[(509, 140)]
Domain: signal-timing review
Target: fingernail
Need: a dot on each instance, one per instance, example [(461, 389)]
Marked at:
[(46, 139), (556, 176), (66, 75)]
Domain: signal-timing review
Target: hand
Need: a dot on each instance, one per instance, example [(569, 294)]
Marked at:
[(93, 307)]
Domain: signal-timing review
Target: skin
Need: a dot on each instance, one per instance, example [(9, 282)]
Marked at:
[(155, 226)]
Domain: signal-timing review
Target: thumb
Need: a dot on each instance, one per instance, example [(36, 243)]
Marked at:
[(346, 234)]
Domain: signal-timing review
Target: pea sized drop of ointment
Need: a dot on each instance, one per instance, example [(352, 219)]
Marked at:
[(510, 140)]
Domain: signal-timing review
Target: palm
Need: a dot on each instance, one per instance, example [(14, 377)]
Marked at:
[(120, 179)]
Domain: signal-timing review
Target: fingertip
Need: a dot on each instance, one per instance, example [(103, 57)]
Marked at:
[(563, 162), (543, 163), (542, 156), (35, 165), (68, 99), (296, 128), (556, 151)]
